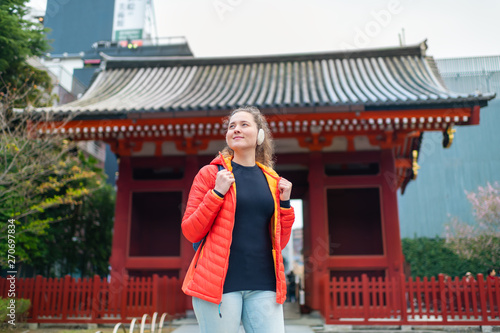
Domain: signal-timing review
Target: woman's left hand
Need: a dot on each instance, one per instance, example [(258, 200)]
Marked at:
[(285, 188)]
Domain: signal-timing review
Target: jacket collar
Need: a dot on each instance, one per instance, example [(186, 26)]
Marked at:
[(226, 163)]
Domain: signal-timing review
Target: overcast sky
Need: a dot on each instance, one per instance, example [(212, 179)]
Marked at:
[(453, 28)]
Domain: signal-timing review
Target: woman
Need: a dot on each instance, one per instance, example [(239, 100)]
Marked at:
[(239, 208)]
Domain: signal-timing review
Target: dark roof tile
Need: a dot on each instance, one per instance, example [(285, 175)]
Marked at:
[(373, 78)]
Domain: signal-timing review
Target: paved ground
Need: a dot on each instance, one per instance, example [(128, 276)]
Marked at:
[(310, 323), (192, 328), (288, 329), (313, 323), (294, 322)]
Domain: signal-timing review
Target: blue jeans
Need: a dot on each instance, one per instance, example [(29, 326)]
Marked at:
[(257, 309)]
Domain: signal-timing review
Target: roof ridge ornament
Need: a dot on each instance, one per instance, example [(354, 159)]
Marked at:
[(424, 47)]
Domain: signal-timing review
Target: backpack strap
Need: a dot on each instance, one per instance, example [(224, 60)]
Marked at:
[(197, 244)]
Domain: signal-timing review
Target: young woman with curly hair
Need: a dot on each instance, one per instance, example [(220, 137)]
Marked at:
[(239, 212)]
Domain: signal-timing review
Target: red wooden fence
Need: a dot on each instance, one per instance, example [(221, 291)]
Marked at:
[(384, 301), (95, 300), (364, 301)]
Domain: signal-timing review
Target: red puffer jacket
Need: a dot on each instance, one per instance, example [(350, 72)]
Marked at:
[(208, 213)]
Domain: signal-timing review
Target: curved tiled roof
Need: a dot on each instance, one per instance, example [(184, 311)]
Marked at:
[(387, 78)]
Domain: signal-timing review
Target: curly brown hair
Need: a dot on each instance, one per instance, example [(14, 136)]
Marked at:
[(264, 153)]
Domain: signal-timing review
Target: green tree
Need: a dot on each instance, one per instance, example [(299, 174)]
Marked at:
[(81, 244), (43, 177), (430, 257), (20, 40)]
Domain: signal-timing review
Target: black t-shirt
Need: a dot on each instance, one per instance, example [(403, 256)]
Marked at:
[(251, 265)]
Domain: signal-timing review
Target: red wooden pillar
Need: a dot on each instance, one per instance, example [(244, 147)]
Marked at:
[(122, 219), (317, 249), (390, 217), (187, 252)]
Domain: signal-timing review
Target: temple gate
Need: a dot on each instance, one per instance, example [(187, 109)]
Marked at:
[(347, 128)]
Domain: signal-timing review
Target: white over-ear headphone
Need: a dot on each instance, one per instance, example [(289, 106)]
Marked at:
[(260, 137)]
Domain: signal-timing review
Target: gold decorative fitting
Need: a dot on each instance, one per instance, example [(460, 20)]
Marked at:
[(448, 136), (415, 167)]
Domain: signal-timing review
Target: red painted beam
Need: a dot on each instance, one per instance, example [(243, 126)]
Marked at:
[(189, 119), (352, 181), (153, 263), (158, 185), (152, 128), (357, 262)]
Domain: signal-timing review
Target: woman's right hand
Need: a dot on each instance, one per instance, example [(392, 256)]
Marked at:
[(223, 181)]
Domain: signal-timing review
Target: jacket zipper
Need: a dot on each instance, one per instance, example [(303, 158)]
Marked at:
[(275, 227), (229, 250), (277, 194)]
